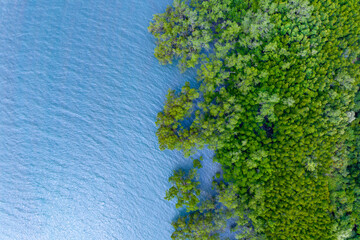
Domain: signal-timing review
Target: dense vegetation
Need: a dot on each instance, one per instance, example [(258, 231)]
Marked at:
[(279, 104)]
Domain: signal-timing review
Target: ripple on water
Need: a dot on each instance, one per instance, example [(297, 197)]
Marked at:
[(80, 90)]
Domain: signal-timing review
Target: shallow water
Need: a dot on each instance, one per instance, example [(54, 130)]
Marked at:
[(79, 94)]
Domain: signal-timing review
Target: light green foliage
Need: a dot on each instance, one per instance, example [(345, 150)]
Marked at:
[(208, 221), (184, 31), (171, 133), (346, 185), (267, 104), (185, 189), (276, 103)]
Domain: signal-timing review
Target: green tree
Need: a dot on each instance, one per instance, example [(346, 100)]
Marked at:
[(278, 102), (185, 189)]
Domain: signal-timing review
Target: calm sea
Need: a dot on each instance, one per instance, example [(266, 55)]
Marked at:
[(79, 94)]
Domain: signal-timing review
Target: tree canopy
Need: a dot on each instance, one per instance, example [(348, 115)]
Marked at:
[(278, 102)]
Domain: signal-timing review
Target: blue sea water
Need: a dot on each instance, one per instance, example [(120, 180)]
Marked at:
[(79, 94)]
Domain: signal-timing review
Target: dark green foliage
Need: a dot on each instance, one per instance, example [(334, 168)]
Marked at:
[(197, 163), (276, 103)]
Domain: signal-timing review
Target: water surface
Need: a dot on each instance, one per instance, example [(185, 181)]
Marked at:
[(79, 94)]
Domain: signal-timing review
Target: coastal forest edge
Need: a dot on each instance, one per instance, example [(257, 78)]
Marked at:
[(279, 104)]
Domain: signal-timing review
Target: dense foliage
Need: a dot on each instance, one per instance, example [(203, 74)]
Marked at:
[(209, 219), (185, 188), (277, 103)]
